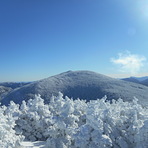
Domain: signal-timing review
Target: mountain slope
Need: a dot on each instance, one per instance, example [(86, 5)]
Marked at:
[(4, 91), (139, 80), (83, 84), (132, 79), (14, 85), (145, 82)]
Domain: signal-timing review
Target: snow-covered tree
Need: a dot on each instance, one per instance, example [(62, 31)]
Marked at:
[(65, 123), (8, 137)]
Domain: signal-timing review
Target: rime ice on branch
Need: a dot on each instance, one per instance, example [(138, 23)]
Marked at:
[(65, 122)]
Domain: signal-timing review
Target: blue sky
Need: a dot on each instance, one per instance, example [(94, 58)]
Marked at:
[(40, 38)]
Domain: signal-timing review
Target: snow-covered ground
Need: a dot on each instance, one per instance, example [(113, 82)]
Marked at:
[(37, 144)]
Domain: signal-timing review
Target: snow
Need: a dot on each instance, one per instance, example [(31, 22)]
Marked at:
[(85, 85), (65, 123), (37, 144)]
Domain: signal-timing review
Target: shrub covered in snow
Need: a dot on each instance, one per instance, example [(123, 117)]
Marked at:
[(8, 137), (65, 123), (118, 124)]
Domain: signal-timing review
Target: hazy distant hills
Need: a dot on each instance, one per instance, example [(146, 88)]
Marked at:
[(14, 85), (145, 82), (80, 84), (139, 80), (131, 79), (4, 91), (6, 87)]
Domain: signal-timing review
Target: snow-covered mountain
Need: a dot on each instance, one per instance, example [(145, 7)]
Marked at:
[(4, 91), (132, 79), (6, 87), (80, 84), (139, 80), (145, 82), (13, 85)]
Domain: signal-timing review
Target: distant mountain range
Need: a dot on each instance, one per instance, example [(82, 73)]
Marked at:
[(14, 85), (4, 91), (79, 84), (7, 87), (139, 80)]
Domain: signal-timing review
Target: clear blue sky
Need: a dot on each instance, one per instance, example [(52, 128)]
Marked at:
[(40, 38)]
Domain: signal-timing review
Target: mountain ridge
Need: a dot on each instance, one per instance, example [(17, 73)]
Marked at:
[(80, 84), (139, 80)]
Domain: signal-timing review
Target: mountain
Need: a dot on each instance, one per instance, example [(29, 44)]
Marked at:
[(80, 84), (132, 79), (4, 91), (145, 82), (6, 87), (139, 80), (14, 85)]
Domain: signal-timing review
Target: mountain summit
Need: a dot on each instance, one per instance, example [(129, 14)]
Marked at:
[(80, 84)]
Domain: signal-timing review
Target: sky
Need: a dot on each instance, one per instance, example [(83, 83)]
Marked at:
[(41, 38)]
